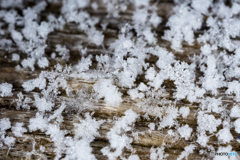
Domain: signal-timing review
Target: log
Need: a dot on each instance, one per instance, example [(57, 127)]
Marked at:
[(28, 146)]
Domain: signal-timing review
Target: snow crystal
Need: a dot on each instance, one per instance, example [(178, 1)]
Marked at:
[(207, 122), (151, 126), (233, 88), (31, 84), (63, 51), (11, 3), (9, 141), (37, 123), (57, 113), (184, 111), (53, 55), (43, 62), (84, 64), (212, 104), (29, 62), (187, 150), (18, 129), (181, 28), (169, 119), (42, 104), (6, 90), (133, 157), (141, 3), (235, 111), (158, 153), (117, 137), (135, 94), (185, 131), (202, 139), (108, 91), (87, 128), (201, 5), (224, 135), (15, 57), (94, 5), (78, 149), (237, 125), (16, 36), (5, 124)]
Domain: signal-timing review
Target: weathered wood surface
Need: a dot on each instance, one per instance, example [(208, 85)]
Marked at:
[(70, 37)]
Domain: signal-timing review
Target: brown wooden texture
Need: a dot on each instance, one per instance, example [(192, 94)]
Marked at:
[(71, 37)]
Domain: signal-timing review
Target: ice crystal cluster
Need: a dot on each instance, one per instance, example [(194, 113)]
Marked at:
[(123, 62)]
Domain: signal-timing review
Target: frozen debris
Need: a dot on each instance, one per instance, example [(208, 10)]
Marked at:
[(105, 89), (158, 153), (6, 90), (18, 129), (185, 131)]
